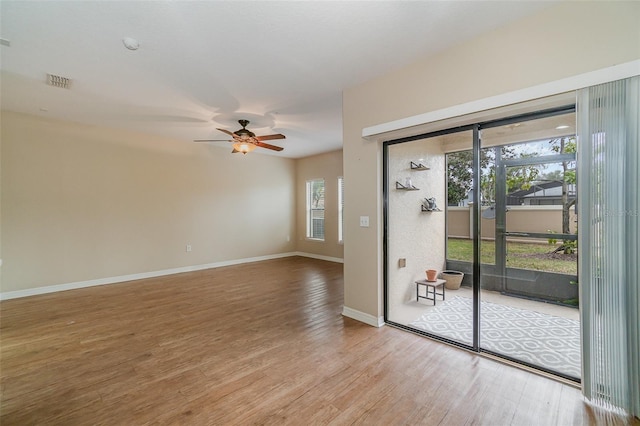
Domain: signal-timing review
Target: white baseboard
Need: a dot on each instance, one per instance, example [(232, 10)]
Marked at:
[(122, 278), (362, 317), (320, 257)]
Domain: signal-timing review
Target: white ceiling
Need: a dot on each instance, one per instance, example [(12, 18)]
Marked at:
[(206, 64)]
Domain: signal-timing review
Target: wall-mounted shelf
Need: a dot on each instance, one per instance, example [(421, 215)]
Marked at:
[(418, 166), (424, 209), (429, 205), (406, 188)]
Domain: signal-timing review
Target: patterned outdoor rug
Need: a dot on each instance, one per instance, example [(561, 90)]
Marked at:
[(540, 339)]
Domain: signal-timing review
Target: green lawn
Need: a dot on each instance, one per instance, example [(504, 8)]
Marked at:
[(519, 255)]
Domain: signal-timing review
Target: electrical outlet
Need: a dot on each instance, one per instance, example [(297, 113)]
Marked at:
[(188, 248), (364, 221)]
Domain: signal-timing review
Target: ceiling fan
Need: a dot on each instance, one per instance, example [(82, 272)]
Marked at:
[(245, 140)]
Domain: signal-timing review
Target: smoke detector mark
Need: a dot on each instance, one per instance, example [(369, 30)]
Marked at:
[(58, 81), (5, 42)]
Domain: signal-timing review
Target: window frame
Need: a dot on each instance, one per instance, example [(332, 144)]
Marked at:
[(309, 210)]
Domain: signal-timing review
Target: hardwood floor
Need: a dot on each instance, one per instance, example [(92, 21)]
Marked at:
[(261, 343)]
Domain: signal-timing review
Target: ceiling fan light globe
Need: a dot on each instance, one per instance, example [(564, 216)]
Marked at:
[(244, 147)]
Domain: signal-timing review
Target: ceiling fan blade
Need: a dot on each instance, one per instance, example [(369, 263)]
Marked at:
[(227, 132), (270, 137), (211, 140), (266, 145)]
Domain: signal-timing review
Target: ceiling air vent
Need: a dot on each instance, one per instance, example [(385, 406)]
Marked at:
[(58, 81)]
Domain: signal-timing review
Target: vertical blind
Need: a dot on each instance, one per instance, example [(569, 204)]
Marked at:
[(609, 242)]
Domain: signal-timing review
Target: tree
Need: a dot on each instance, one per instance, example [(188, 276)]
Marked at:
[(566, 146), (517, 177), (521, 177), (317, 191), (555, 175), (460, 174)]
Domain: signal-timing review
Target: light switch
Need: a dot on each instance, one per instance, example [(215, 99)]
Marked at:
[(364, 221)]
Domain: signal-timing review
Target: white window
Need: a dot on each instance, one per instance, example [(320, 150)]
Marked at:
[(340, 207), (315, 209)]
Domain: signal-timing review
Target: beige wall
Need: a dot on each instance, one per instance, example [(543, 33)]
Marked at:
[(458, 224), (539, 219), (328, 167), (82, 203), (562, 41)]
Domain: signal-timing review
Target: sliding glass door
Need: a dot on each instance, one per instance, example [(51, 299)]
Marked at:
[(529, 277), (488, 208), (415, 227)]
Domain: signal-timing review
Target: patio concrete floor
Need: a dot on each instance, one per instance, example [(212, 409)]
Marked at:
[(411, 311)]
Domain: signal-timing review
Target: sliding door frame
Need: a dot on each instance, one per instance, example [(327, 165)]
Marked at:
[(476, 128), (385, 225)]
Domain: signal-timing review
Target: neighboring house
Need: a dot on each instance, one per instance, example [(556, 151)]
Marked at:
[(541, 194)]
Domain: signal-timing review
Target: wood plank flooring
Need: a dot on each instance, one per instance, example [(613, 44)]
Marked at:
[(262, 343)]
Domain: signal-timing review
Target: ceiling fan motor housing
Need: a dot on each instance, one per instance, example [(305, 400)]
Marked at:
[(244, 133)]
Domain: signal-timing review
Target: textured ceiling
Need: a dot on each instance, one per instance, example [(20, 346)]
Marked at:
[(202, 65)]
